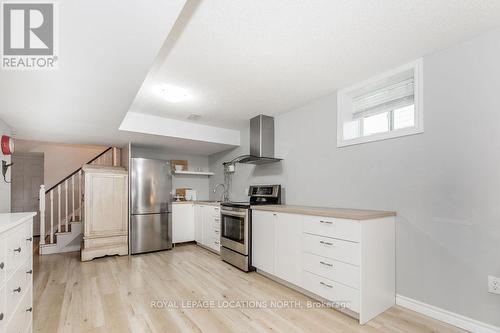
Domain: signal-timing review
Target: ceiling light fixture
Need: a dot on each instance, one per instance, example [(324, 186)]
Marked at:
[(173, 94)]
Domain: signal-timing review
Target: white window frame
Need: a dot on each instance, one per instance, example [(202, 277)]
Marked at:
[(343, 97)]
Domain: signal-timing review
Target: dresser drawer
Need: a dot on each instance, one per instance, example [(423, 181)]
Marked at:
[(331, 269), (332, 227), (18, 283), (341, 296), (344, 251), (22, 317), (3, 267), (3, 309), (16, 249)]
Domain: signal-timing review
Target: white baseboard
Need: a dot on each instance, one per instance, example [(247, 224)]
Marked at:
[(446, 316)]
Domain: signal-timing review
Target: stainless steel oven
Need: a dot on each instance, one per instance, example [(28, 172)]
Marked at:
[(236, 225), (234, 229)]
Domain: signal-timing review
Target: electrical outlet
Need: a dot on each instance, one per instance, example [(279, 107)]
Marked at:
[(494, 284)]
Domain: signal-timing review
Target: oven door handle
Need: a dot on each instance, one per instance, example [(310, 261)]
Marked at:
[(232, 213)]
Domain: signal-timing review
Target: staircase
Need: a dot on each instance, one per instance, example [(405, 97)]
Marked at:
[(61, 208)]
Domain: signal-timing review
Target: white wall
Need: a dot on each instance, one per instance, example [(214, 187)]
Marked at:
[(198, 183), (60, 160), (444, 183), (4, 187)]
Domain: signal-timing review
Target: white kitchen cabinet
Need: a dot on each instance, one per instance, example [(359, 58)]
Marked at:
[(288, 247), (196, 222), (183, 222), (263, 240), (349, 262)]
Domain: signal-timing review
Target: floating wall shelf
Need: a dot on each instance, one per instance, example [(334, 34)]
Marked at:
[(193, 173)]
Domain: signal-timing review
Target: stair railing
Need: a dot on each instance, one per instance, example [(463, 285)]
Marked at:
[(65, 191)]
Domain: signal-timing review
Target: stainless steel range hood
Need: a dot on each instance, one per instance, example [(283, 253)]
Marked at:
[(261, 142)]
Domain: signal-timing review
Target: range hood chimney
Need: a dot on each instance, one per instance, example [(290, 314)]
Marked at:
[(261, 142)]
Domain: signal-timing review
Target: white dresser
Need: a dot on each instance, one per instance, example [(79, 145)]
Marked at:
[(341, 256), (16, 272)]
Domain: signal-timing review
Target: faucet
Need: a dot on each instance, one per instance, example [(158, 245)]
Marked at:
[(224, 194)]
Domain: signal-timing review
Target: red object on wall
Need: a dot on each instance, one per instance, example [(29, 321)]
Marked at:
[(7, 145)]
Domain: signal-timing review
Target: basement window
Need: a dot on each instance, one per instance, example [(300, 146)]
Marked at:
[(384, 107)]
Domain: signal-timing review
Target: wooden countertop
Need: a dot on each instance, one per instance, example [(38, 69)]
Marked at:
[(341, 213), (11, 220), (198, 202)]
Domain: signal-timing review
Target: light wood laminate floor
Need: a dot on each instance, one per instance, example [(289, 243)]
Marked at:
[(114, 294)]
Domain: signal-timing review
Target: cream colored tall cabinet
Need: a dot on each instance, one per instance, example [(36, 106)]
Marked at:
[(106, 210)]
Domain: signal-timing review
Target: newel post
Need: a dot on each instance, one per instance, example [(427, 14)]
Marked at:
[(42, 214)]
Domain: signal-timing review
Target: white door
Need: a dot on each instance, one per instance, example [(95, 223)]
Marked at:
[(27, 176), (182, 223), (263, 235), (288, 248)]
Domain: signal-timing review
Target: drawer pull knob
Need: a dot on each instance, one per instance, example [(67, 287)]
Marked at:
[(29, 272), (2, 265), (29, 310), (326, 285), (1, 316), (326, 264), (29, 239), (17, 290), (18, 250), (326, 222), (326, 243)]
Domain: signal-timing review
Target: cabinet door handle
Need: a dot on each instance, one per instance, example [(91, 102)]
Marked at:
[(29, 272), (326, 285), (326, 264), (326, 243), (29, 239), (326, 222), (1, 316), (2, 265), (18, 250), (17, 290), (29, 309)]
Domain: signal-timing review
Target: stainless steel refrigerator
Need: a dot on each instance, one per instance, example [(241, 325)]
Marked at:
[(151, 203)]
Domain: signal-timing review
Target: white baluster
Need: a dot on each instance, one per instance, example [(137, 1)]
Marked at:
[(59, 208), (66, 203), (42, 214), (51, 217), (80, 192), (73, 198)]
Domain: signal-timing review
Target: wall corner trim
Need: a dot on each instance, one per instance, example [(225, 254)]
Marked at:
[(446, 316)]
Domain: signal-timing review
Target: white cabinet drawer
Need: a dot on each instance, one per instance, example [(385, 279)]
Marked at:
[(332, 248), (215, 211), (18, 283), (18, 247), (332, 227), (21, 319), (215, 245), (3, 267), (3, 309), (216, 223), (332, 269), (341, 296)]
